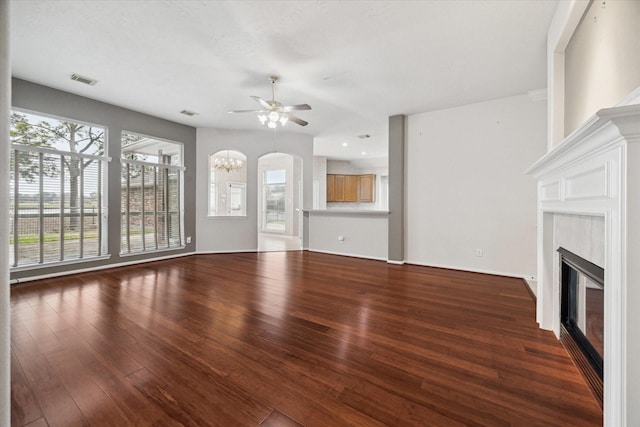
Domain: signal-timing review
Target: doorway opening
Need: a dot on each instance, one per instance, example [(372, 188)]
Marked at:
[(279, 203)]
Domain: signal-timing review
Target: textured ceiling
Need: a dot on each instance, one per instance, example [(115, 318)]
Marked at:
[(354, 62)]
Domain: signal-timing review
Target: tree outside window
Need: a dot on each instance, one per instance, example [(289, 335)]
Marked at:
[(57, 168)]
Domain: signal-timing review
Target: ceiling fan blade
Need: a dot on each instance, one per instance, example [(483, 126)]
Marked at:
[(295, 119), (299, 107), (245, 111), (262, 102)]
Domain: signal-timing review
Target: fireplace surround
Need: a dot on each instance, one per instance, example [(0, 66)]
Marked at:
[(594, 174)]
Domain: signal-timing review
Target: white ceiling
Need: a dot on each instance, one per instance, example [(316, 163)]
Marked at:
[(354, 62)]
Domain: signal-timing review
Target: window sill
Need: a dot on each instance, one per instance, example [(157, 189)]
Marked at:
[(216, 217), (58, 263), (155, 251)]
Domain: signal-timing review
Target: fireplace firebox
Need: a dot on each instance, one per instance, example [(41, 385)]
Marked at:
[(582, 316)]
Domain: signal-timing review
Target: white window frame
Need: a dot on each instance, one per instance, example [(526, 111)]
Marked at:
[(180, 242), (265, 186), (102, 176)]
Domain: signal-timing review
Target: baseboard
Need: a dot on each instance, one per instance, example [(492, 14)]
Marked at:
[(532, 287), (224, 252), (348, 254), (524, 277)]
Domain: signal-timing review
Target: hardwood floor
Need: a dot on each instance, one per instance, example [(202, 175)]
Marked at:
[(287, 339)]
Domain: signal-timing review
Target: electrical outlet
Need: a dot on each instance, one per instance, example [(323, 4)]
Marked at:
[(340, 238), (478, 251), (188, 239)]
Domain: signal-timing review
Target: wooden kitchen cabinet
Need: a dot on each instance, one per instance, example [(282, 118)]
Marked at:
[(338, 189), (351, 188), (331, 188), (366, 188)]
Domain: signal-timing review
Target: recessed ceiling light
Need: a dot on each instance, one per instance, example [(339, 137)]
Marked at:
[(344, 144), (364, 153), (82, 79), (188, 113)]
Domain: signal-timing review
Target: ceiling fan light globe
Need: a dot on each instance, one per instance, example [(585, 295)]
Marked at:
[(272, 125), (274, 116), (283, 120), (262, 118)]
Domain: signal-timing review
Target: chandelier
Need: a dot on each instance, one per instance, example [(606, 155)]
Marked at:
[(226, 163)]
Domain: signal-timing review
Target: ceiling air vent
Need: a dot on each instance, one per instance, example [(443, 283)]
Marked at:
[(365, 136), (83, 79), (188, 113)]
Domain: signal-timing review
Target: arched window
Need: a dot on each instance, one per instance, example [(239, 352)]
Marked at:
[(227, 183)]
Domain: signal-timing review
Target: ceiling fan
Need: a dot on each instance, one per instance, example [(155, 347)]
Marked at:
[(273, 112)]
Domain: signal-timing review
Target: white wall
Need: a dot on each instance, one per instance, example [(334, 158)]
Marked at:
[(365, 234), (466, 188), (320, 176), (602, 65), (227, 234), (565, 20)]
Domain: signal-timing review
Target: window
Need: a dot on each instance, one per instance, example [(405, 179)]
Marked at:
[(152, 211), (227, 184), (275, 184), (236, 195), (57, 187)]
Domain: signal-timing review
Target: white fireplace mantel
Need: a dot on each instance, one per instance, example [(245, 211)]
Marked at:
[(595, 172)]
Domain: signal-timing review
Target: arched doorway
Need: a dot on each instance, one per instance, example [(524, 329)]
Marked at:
[(279, 202)]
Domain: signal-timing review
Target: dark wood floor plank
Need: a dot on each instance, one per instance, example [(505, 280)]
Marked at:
[(56, 403), (274, 375), (116, 394), (96, 406), (287, 339), (278, 419), (154, 390), (391, 409), (40, 422), (24, 407)]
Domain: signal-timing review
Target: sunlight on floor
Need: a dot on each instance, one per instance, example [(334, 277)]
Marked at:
[(275, 242)]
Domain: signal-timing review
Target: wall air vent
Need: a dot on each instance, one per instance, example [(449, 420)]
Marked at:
[(364, 136), (188, 113), (83, 79)]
